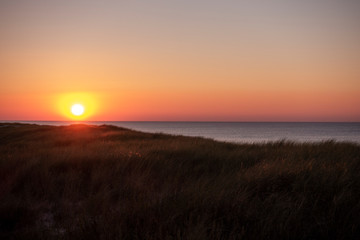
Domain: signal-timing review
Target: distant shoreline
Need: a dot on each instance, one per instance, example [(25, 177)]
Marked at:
[(242, 132)]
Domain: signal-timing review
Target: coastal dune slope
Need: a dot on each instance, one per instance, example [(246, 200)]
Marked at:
[(105, 182)]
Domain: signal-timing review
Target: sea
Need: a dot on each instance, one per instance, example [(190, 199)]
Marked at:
[(241, 132)]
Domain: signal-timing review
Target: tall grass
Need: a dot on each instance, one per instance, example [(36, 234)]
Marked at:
[(105, 182)]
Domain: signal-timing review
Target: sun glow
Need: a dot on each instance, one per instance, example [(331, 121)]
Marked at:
[(77, 109), (77, 106)]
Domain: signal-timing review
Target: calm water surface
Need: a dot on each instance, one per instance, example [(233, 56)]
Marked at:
[(243, 131)]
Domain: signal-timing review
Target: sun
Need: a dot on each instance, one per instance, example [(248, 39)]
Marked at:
[(78, 106), (77, 109)]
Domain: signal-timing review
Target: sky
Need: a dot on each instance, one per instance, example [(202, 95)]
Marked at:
[(272, 60)]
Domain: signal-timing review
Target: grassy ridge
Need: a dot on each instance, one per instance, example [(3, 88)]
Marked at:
[(104, 182)]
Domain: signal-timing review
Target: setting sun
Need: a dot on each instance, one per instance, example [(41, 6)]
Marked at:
[(77, 109), (77, 105)]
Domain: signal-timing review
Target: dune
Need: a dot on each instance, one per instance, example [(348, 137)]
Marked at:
[(105, 182)]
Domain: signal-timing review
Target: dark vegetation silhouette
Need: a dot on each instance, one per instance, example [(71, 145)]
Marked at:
[(105, 182)]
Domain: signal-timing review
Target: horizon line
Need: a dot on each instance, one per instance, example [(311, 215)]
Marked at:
[(187, 121)]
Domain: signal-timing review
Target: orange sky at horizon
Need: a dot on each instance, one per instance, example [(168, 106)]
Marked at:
[(181, 61)]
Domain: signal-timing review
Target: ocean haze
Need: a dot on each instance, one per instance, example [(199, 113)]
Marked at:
[(241, 132)]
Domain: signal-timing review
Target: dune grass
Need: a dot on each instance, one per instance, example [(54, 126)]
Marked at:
[(105, 182)]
